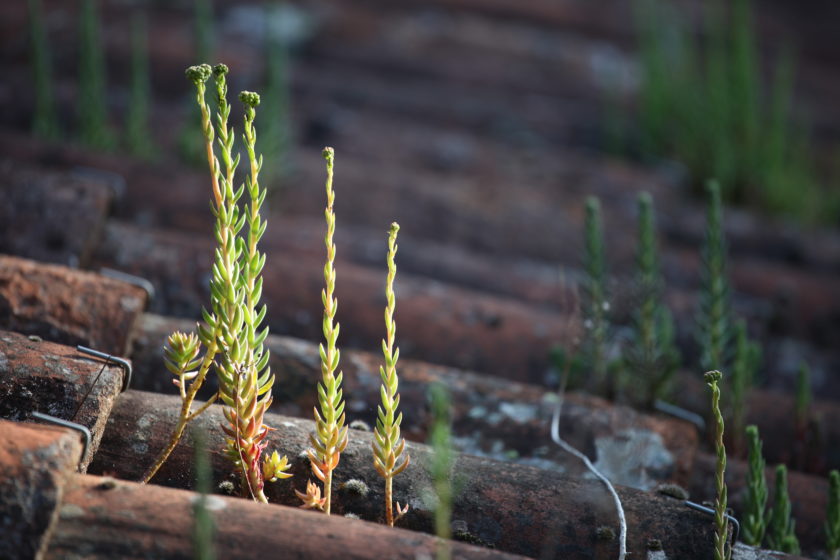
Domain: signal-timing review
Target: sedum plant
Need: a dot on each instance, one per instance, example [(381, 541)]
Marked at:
[(780, 529), (388, 446), (713, 330), (330, 437), (754, 521), (277, 132), (832, 516), (723, 550), (231, 336), (443, 458), (652, 355), (803, 396)]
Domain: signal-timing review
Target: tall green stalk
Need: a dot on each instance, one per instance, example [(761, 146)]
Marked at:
[(330, 437), (780, 530), (277, 132), (744, 366), (754, 520), (388, 446), (45, 116), (723, 550), (595, 304), (92, 101), (713, 320), (138, 137)]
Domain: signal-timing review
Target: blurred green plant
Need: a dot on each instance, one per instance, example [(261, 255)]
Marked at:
[(388, 446), (713, 321), (803, 397), (277, 132), (744, 368), (780, 529), (832, 516), (754, 520), (701, 102), (595, 306), (203, 525), (92, 99), (723, 550), (652, 356), (190, 141), (45, 117), (138, 138), (440, 468)]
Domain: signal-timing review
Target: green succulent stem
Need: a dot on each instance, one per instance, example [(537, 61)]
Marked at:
[(723, 550), (45, 117), (754, 521), (137, 121), (93, 114), (330, 437), (440, 469), (781, 534), (744, 366), (388, 446)]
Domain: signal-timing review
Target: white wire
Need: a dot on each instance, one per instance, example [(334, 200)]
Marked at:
[(622, 521)]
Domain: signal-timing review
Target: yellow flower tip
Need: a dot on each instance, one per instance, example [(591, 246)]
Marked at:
[(395, 227), (275, 467), (712, 377), (328, 153)]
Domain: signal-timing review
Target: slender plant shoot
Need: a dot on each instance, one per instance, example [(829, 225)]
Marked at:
[(93, 118), (388, 446), (744, 366), (713, 320), (781, 534), (45, 118), (231, 331), (330, 436), (832, 516), (137, 121), (652, 356), (596, 306), (443, 457), (723, 550), (754, 521)]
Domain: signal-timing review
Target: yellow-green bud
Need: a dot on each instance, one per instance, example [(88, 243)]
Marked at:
[(249, 98), (220, 70), (198, 74)]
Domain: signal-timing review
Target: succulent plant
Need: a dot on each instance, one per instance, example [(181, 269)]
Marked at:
[(388, 446), (231, 333), (832, 516), (713, 323), (595, 304), (45, 117), (92, 102), (330, 437), (781, 533)]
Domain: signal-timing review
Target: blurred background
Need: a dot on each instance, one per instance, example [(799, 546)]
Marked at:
[(482, 127)]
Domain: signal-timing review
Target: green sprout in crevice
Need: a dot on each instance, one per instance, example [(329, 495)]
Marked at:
[(723, 549), (45, 117), (744, 367), (231, 334), (330, 437), (440, 467), (832, 516), (754, 520), (780, 528), (595, 304), (138, 137), (713, 323), (652, 356), (92, 100), (388, 446)]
